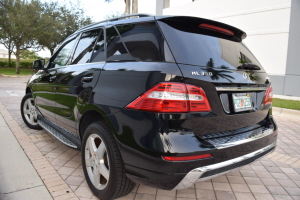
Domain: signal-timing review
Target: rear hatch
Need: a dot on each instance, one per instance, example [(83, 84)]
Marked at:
[(211, 55)]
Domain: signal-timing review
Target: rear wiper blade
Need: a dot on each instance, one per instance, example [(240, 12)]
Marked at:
[(249, 66)]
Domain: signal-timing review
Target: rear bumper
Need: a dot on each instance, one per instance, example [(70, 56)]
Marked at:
[(143, 144), (210, 171)]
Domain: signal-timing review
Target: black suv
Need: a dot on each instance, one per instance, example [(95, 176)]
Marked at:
[(164, 101)]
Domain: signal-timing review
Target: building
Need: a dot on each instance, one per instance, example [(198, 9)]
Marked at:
[(271, 26), (4, 54)]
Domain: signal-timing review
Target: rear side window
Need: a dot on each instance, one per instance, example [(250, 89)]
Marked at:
[(143, 41), (116, 51), (99, 49), (85, 46)]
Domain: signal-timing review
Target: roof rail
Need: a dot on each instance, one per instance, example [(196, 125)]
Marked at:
[(118, 18), (129, 16)]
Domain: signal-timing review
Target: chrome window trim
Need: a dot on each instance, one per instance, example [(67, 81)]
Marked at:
[(194, 175), (241, 88)]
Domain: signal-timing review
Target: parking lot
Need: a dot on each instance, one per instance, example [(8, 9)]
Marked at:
[(276, 176)]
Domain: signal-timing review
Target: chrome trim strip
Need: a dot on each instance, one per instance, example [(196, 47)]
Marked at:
[(226, 145), (241, 88), (194, 175)]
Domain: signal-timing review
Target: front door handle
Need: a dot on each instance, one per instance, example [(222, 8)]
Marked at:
[(87, 79), (52, 78)]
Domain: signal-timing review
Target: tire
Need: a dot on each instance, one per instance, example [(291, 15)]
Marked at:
[(102, 164), (28, 112)]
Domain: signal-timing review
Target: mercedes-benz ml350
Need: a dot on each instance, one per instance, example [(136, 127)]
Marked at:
[(164, 101)]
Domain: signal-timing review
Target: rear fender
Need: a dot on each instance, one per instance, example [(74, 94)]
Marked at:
[(94, 110)]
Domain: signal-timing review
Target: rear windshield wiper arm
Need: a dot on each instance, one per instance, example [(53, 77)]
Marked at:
[(249, 66)]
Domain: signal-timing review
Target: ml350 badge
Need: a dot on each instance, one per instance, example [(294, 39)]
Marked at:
[(202, 73)]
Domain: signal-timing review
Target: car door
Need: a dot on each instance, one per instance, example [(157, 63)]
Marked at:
[(77, 79), (44, 87)]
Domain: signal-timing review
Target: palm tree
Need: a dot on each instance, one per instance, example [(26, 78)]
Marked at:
[(216, 74)]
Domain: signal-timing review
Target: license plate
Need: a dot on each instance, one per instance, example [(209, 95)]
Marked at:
[(242, 102)]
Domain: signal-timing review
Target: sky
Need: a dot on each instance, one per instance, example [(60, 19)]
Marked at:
[(97, 9)]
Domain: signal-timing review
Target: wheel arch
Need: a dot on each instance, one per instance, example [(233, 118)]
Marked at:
[(91, 115), (28, 90)]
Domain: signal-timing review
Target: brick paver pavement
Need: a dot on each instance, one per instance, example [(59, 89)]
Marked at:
[(276, 176)]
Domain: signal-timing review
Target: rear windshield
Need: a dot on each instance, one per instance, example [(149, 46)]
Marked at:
[(205, 50)]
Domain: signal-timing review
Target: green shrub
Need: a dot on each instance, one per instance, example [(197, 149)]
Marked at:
[(23, 62), (3, 64), (14, 60)]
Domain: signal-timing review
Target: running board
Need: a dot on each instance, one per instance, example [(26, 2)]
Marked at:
[(60, 133)]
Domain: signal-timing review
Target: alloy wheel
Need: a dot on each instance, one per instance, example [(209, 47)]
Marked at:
[(97, 161), (30, 112)]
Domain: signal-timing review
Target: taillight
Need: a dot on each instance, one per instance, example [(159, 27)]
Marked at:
[(172, 97), (216, 28), (197, 99), (186, 158), (269, 96)]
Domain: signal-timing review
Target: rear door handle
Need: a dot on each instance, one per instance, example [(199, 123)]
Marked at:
[(87, 79)]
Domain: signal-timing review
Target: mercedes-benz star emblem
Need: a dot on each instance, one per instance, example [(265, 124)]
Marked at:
[(246, 76)]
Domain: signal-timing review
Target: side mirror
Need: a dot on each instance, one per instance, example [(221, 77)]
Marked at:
[(38, 64)]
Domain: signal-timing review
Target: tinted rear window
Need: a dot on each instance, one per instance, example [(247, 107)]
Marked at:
[(204, 50), (116, 50)]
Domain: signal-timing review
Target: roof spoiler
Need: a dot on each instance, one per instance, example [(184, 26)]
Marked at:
[(204, 26)]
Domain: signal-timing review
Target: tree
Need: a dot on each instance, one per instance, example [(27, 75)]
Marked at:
[(20, 24), (210, 63), (29, 54), (134, 6), (8, 44), (30, 24), (5, 31), (127, 6), (60, 21)]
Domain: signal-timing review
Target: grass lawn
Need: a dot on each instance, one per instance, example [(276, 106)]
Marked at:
[(283, 103), (12, 71)]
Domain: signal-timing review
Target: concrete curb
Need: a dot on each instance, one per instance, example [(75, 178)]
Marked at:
[(14, 76), (288, 113), (286, 97), (19, 179), (53, 184)]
